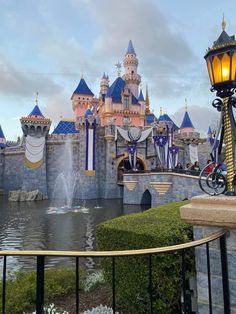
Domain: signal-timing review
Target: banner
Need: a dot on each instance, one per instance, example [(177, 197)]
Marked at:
[(34, 149), (90, 148), (193, 152)]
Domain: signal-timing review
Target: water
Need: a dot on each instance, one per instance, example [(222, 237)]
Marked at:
[(64, 187), (34, 226)]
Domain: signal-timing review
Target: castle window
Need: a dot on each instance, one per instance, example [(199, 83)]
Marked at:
[(126, 102), (132, 72)]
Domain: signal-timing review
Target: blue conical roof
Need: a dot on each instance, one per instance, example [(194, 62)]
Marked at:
[(141, 98), (186, 123), (104, 76), (2, 139), (130, 49), (115, 90), (83, 88), (36, 112), (165, 118)]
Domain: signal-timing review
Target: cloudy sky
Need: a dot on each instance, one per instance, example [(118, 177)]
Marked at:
[(47, 44)]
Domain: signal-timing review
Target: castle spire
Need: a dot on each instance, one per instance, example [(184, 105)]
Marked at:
[(147, 101), (130, 49), (37, 98), (118, 68), (186, 105), (223, 23)]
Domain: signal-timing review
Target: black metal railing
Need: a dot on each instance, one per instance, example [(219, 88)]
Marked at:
[(181, 248)]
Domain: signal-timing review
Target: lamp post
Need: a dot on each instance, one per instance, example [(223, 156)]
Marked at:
[(221, 64)]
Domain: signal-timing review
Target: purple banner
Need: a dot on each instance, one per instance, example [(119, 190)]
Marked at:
[(174, 150), (160, 140)]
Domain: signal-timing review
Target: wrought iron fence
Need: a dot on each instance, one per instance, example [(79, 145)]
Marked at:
[(180, 248)]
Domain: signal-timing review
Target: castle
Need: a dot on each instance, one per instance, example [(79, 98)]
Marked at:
[(110, 134)]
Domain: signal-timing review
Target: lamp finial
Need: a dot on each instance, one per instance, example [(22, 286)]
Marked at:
[(223, 23), (161, 113)]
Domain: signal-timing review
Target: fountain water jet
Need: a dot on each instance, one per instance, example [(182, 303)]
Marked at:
[(65, 183)]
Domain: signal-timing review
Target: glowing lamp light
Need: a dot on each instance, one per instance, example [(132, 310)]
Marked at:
[(221, 65)]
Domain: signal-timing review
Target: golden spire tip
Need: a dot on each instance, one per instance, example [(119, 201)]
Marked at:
[(37, 98), (161, 113), (186, 106), (223, 23)]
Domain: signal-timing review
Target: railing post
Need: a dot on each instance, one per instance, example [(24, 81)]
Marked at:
[(77, 284), (4, 284), (150, 281), (225, 277), (113, 285), (40, 285)]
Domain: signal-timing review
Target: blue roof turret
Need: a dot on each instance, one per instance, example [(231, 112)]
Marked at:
[(83, 88), (141, 98), (2, 139), (130, 49), (36, 112), (104, 77), (115, 90), (187, 123)]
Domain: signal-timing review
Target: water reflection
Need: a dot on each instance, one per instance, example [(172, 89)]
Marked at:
[(31, 226)]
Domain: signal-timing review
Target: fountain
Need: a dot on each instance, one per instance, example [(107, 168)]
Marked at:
[(65, 183)]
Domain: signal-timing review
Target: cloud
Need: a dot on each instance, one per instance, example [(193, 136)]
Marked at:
[(201, 117), (165, 56), (15, 82), (58, 107)]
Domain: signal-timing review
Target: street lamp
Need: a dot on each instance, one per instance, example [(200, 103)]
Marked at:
[(221, 64)]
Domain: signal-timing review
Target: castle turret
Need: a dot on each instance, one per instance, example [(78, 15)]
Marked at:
[(104, 85), (186, 126), (81, 99), (35, 128), (131, 78)]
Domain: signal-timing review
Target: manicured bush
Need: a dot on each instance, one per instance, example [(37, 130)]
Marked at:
[(154, 228), (21, 288)]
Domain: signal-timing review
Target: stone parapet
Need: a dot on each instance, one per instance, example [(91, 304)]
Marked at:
[(208, 214), (211, 211)]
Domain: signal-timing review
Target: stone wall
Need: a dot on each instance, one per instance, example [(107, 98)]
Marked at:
[(163, 187), (13, 169), (209, 214)]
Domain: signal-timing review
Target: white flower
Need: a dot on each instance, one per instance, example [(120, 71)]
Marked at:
[(101, 309)]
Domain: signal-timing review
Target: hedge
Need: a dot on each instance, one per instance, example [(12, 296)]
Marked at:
[(21, 288), (156, 227)]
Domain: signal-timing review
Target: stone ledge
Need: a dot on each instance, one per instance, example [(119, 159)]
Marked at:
[(208, 210)]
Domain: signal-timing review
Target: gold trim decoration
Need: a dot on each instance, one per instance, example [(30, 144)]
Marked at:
[(161, 187), (33, 165), (163, 249), (89, 173), (130, 185), (228, 139)]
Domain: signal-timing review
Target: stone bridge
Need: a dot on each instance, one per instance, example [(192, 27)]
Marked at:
[(159, 188)]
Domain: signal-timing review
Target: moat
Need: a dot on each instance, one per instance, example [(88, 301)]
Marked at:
[(34, 226)]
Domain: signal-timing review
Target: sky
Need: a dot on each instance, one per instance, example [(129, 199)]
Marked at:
[(46, 45)]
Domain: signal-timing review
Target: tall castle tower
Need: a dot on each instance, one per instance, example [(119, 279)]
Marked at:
[(35, 128), (82, 99), (131, 78)]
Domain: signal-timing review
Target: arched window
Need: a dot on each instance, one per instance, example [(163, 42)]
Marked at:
[(126, 102)]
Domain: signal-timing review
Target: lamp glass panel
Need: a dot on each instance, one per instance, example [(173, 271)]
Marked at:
[(225, 67), (216, 64), (210, 71), (233, 66)]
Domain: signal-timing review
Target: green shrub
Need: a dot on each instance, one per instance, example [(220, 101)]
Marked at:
[(21, 289), (154, 228)]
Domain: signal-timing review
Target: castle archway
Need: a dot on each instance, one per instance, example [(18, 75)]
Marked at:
[(146, 198), (123, 165)]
